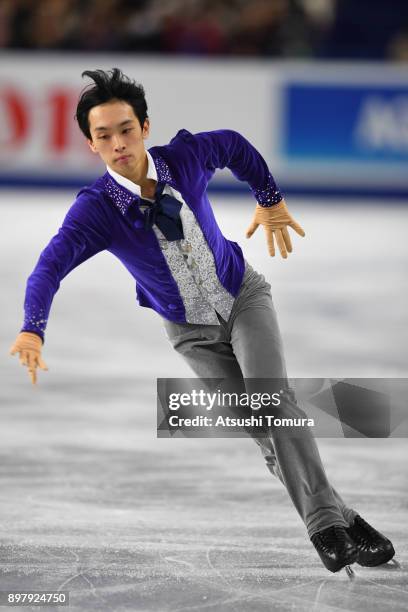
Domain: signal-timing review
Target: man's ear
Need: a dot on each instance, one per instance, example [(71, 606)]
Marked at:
[(146, 128), (91, 145)]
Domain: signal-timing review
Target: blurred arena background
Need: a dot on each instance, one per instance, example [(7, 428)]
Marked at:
[(91, 501)]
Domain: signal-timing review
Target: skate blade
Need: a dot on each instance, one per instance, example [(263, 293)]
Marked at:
[(395, 563), (350, 572)]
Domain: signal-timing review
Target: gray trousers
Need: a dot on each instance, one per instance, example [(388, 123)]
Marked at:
[(249, 345)]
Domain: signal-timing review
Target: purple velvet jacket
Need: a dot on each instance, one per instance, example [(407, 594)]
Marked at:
[(106, 215)]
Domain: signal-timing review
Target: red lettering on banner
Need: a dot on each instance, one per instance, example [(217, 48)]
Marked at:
[(60, 108), (17, 115), (41, 126)]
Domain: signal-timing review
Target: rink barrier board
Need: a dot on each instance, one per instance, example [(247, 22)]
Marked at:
[(227, 189)]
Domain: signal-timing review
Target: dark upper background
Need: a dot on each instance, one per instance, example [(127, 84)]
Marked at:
[(341, 29)]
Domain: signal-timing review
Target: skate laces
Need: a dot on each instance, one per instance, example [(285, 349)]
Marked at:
[(330, 537), (362, 531)]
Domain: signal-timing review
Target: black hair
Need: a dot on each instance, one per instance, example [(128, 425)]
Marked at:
[(109, 85)]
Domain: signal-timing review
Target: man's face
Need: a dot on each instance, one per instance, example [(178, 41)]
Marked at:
[(116, 136)]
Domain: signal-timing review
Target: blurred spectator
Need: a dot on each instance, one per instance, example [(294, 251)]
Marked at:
[(51, 23), (258, 30), (16, 15), (197, 28), (99, 27), (6, 23), (141, 26), (398, 47), (367, 29), (364, 29)]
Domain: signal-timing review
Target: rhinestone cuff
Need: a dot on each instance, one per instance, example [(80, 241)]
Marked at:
[(269, 195)]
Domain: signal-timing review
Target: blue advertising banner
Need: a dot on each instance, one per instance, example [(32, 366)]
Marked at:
[(345, 122)]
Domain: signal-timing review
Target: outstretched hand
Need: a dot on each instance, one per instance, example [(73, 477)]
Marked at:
[(28, 346), (275, 219)]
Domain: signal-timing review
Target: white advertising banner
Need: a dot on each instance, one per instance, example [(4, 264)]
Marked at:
[(320, 126), (39, 93)]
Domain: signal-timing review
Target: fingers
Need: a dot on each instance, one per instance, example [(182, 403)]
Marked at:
[(23, 358), (287, 239), (281, 243), (32, 367), (28, 359), (32, 361), (298, 229), (283, 246), (38, 362), (33, 374), (251, 229), (42, 364), (270, 242)]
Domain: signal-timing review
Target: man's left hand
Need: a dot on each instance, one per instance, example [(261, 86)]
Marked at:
[(276, 219)]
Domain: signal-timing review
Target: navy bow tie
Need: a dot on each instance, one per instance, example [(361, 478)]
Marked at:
[(165, 213)]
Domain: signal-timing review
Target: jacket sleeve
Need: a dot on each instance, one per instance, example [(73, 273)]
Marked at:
[(228, 148), (84, 232)]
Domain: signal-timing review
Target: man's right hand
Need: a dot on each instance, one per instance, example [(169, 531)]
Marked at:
[(28, 346)]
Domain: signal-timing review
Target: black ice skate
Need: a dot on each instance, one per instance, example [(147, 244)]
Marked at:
[(373, 548), (335, 548)]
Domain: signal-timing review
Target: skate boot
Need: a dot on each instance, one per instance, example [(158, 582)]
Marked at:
[(373, 548), (335, 548)]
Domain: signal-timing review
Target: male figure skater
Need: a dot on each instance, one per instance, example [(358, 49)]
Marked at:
[(151, 210)]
